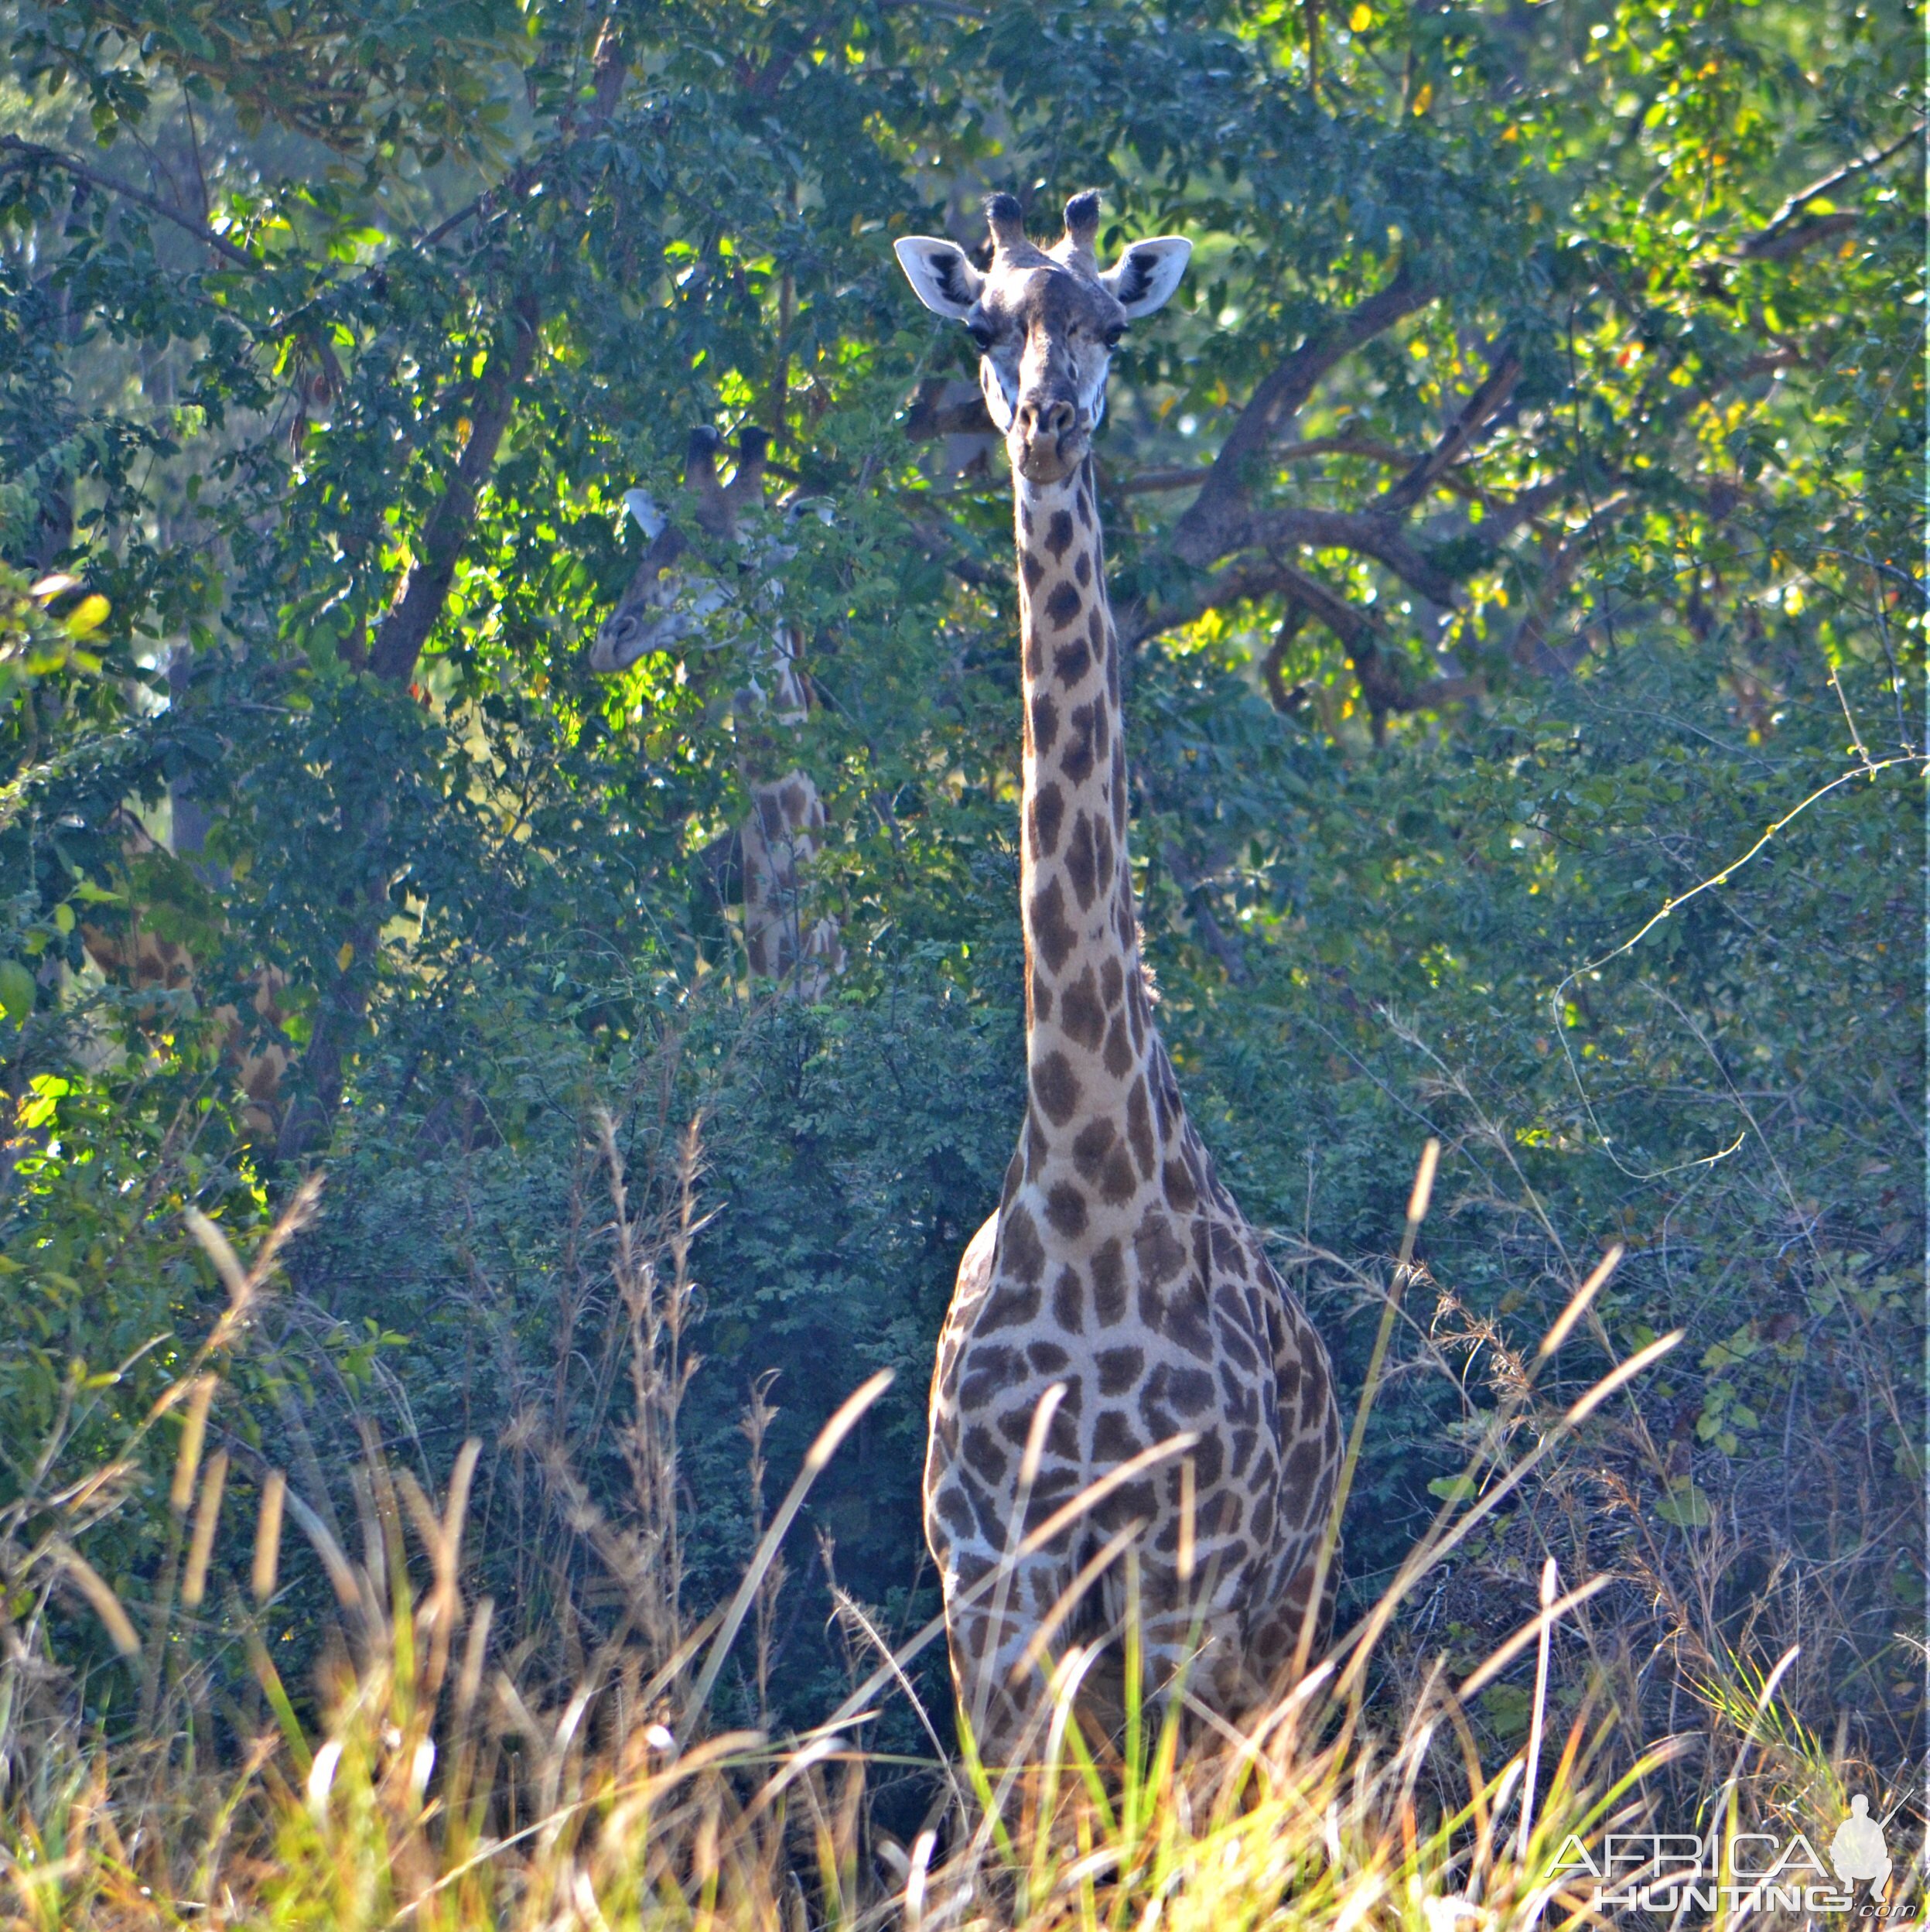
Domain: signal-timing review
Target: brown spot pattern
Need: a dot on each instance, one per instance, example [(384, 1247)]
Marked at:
[(1051, 931), (1045, 723), (1048, 813), (1082, 864), (1063, 605), (1071, 661), (1056, 1088)]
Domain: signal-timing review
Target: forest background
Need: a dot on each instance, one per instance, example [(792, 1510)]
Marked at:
[(1515, 523)]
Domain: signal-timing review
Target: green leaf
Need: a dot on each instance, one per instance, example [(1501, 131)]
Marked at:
[(1509, 1708), (87, 616), (16, 991), (1685, 1507)]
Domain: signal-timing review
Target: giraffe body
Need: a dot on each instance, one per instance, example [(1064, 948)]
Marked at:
[(1117, 1266)]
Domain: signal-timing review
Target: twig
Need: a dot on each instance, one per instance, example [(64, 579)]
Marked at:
[(1759, 244), (32, 151)]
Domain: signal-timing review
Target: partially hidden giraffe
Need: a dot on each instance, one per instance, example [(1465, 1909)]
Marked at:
[(1116, 1266), (130, 952), (657, 610)]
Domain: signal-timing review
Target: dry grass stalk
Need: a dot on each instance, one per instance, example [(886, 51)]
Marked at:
[(268, 1536), (758, 1416), (439, 1791), (207, 1520)]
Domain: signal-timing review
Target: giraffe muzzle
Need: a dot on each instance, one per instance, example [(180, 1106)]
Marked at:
[(1049, 439)]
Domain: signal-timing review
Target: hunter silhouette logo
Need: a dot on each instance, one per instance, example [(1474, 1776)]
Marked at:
[(1857, 1851), (1675, 1871)]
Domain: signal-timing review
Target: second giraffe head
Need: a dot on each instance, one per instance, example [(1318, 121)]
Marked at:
[(1046, 321)]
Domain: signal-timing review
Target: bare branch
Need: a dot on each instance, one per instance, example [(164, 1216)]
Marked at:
[(1760, 247), (32, 151), (446, 529), (1486, 402), (1212, 526), (1784, 244), (1243, 583), (1361, 532)]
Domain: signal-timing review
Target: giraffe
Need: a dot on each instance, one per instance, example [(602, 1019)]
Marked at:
[(786, 826), (129, 952), (1117, 1265)]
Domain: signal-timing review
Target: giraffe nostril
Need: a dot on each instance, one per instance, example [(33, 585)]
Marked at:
[(1055, 417)]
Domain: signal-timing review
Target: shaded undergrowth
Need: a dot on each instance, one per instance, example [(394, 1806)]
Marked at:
[(437, 1771)]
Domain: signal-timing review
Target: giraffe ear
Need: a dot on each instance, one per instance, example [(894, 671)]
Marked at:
[(642, 510), (939, 276), (1145, 275)]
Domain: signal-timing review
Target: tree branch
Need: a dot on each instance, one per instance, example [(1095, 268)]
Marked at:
[(413, 615), (341, 1015), (518, 181), (1237, 584), (1784, 245), (935, 544), (1364, 637), (928, 418), (1487, 401), (1196, 890), (1528, 647), (1760, 246), (1361, 634), (1359, 531), (1385, 692), (32, 151), (783, 58), (1243, 583), (1193, 475), (1273, 667), (1212, 527)]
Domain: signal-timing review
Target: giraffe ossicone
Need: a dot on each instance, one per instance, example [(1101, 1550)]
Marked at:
[(1117, 1267)]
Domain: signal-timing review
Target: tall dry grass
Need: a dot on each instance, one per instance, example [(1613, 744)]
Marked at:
[(431, 1785)]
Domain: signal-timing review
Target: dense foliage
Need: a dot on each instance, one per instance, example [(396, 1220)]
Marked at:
[(1514, 517)]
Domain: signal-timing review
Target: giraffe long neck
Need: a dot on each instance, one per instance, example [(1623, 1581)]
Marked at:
[(1089, 1034)]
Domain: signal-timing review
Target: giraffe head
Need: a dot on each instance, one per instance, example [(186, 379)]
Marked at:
[(1046, 321), (645, 620)]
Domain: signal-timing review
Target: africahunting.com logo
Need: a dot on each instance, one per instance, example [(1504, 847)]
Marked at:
[(1751, 1871)]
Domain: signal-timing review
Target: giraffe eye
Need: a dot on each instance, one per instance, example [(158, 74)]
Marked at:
[(1115, 336), (980, 333)]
